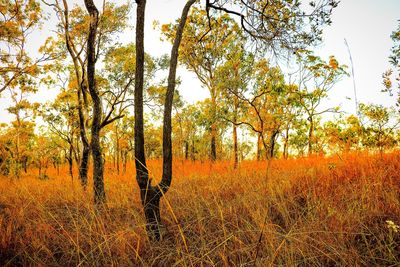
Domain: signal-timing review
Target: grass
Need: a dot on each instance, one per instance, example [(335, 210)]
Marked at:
[(308, 212)]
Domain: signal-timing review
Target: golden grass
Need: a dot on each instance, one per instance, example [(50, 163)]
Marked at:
[(309, 212)]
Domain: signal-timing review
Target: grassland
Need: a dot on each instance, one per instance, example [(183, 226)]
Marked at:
[(315, 211)]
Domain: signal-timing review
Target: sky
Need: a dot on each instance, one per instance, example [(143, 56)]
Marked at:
[(365, 24)]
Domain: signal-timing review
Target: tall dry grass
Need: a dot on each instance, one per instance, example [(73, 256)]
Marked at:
[(308, 212)]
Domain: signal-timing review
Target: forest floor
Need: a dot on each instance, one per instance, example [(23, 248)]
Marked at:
[(334, 211)]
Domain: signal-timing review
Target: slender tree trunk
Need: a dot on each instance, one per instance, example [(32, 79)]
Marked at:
[(213, 152), (259, 146), (186, 149), (125, 160), (148, 194), (98, 168), (25, 163), (193, 151), (70, 160), (117, 147), (81, 90), (272, 142), (286, 144), (235, 147), (151, 195), (310, 136)]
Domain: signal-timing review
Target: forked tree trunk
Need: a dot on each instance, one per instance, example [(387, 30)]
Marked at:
[(98, 168), (81, 90), (151, 195)]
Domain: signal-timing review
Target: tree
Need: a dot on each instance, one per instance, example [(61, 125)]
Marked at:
[(233, 80), (204, 55), (379, 127), (262, 105), (150, 195), (394, 60), (61, 118), (315, 80), (344, 134), (18, 20), (72, 33), (277, 26)]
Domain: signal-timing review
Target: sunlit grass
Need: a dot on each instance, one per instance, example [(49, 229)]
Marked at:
[(311, 211)]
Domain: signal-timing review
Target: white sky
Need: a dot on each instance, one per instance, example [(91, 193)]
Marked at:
[(366, 24)]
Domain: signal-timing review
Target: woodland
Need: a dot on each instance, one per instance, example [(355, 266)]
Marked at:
[(119, 169)]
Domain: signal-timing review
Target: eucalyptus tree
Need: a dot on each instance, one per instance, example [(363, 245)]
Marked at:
[(151, 194), (316, 78), (71, 42), (203, 54)]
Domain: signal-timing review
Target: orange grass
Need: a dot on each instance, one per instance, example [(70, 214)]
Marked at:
[(309, 212)]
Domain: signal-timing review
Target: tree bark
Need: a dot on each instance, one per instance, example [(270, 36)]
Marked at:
[(98, 168)]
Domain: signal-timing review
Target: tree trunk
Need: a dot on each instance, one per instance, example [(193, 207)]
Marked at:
[(150, 195), (235, 147), (81, 90), (193, 151), (117, 147), (259, 147), (25, 163), (310, 136), (286, 144), (70, 160), (213, 152), (125, 160), (186, 149), (272, 142), (98, 168)]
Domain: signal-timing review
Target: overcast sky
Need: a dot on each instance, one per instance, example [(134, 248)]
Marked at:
[(365, 24)]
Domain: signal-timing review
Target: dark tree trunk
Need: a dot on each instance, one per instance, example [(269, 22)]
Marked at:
[(186, 150), (71, 160), (125, 160), (98, 168), (25, 163), (213, 152), (272, 142), (193, 151), (117, 147), (81, 90), (235, 147), (259, 146), (310, 136), (150, 195), (286, 144)]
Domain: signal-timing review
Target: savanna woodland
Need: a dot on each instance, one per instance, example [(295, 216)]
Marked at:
[(105, 161)]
